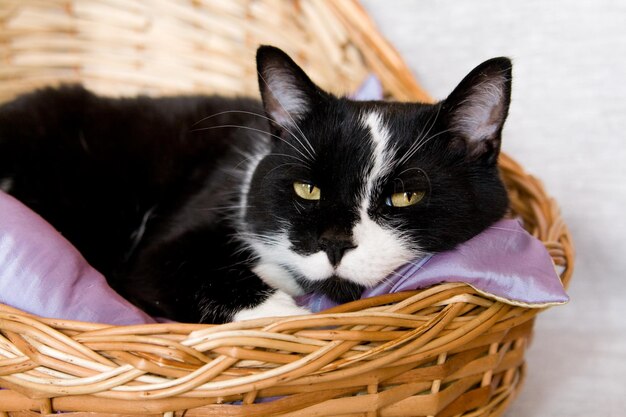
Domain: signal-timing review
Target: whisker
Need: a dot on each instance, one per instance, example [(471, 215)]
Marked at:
[(280, 166), (413, 148), (432, 137), (425, 141), (239, 206), (254, 130), (261, 116), (304, 163), (506, 229), (249, 157), (430, 188)]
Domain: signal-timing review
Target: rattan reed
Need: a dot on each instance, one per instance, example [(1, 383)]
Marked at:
[(444, 351)]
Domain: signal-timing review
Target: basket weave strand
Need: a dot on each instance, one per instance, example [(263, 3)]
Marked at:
[(444, 351)]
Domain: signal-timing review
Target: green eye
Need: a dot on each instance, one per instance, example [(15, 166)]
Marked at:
[(405, 199), (306, 190)]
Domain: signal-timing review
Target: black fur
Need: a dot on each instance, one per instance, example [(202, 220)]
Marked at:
[(97, 168)]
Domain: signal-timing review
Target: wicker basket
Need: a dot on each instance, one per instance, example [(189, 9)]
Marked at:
[(444, 351)]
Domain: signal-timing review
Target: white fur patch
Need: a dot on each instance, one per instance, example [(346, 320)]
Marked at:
[(383, 153), (276, 276), (279, 304), (253, 161), (137, 235), (276, 250), (379, 251), (6, 184)]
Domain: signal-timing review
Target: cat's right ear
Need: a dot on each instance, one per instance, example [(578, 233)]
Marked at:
[(478, 107), (287, 92)]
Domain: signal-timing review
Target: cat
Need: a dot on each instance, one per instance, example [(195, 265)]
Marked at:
[(210, 209)]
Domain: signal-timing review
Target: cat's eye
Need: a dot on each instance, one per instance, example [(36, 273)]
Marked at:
[(306, 190), (405, 199)]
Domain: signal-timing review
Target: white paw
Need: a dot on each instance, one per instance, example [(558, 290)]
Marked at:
[(277, 305)]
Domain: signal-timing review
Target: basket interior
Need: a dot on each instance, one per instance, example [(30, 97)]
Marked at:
[(169, 47)]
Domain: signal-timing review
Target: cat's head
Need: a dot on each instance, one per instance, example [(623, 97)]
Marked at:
[(350, 191)]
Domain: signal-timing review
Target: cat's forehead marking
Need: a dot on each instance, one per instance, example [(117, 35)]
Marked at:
[(382, 155), (379, 248)]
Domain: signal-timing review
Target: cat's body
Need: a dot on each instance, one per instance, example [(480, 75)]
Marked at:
[(199, 209), (131, 184)]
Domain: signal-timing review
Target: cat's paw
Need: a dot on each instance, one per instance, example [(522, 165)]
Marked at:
[(276, 305)]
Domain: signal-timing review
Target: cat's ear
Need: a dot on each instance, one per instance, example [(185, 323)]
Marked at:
[(478, 106), (287, 92)]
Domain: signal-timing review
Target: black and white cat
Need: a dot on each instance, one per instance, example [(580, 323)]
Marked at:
[(208, 209)]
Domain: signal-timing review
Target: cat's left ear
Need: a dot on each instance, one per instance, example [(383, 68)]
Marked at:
[(478, 106), (287, 92)]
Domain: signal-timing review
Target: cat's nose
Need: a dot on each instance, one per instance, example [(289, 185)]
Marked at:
[(335, 244)]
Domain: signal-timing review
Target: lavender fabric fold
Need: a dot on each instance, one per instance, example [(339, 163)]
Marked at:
[(43, 274), (504, 262)]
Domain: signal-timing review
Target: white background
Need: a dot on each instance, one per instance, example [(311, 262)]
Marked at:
[(567, 125)]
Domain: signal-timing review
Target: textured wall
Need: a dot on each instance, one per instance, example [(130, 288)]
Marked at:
[(567, 125)]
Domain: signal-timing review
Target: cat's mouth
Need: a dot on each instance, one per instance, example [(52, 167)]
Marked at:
[(338, 289)]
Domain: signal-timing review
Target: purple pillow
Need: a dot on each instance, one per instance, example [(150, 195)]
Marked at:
[(43, 274)]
